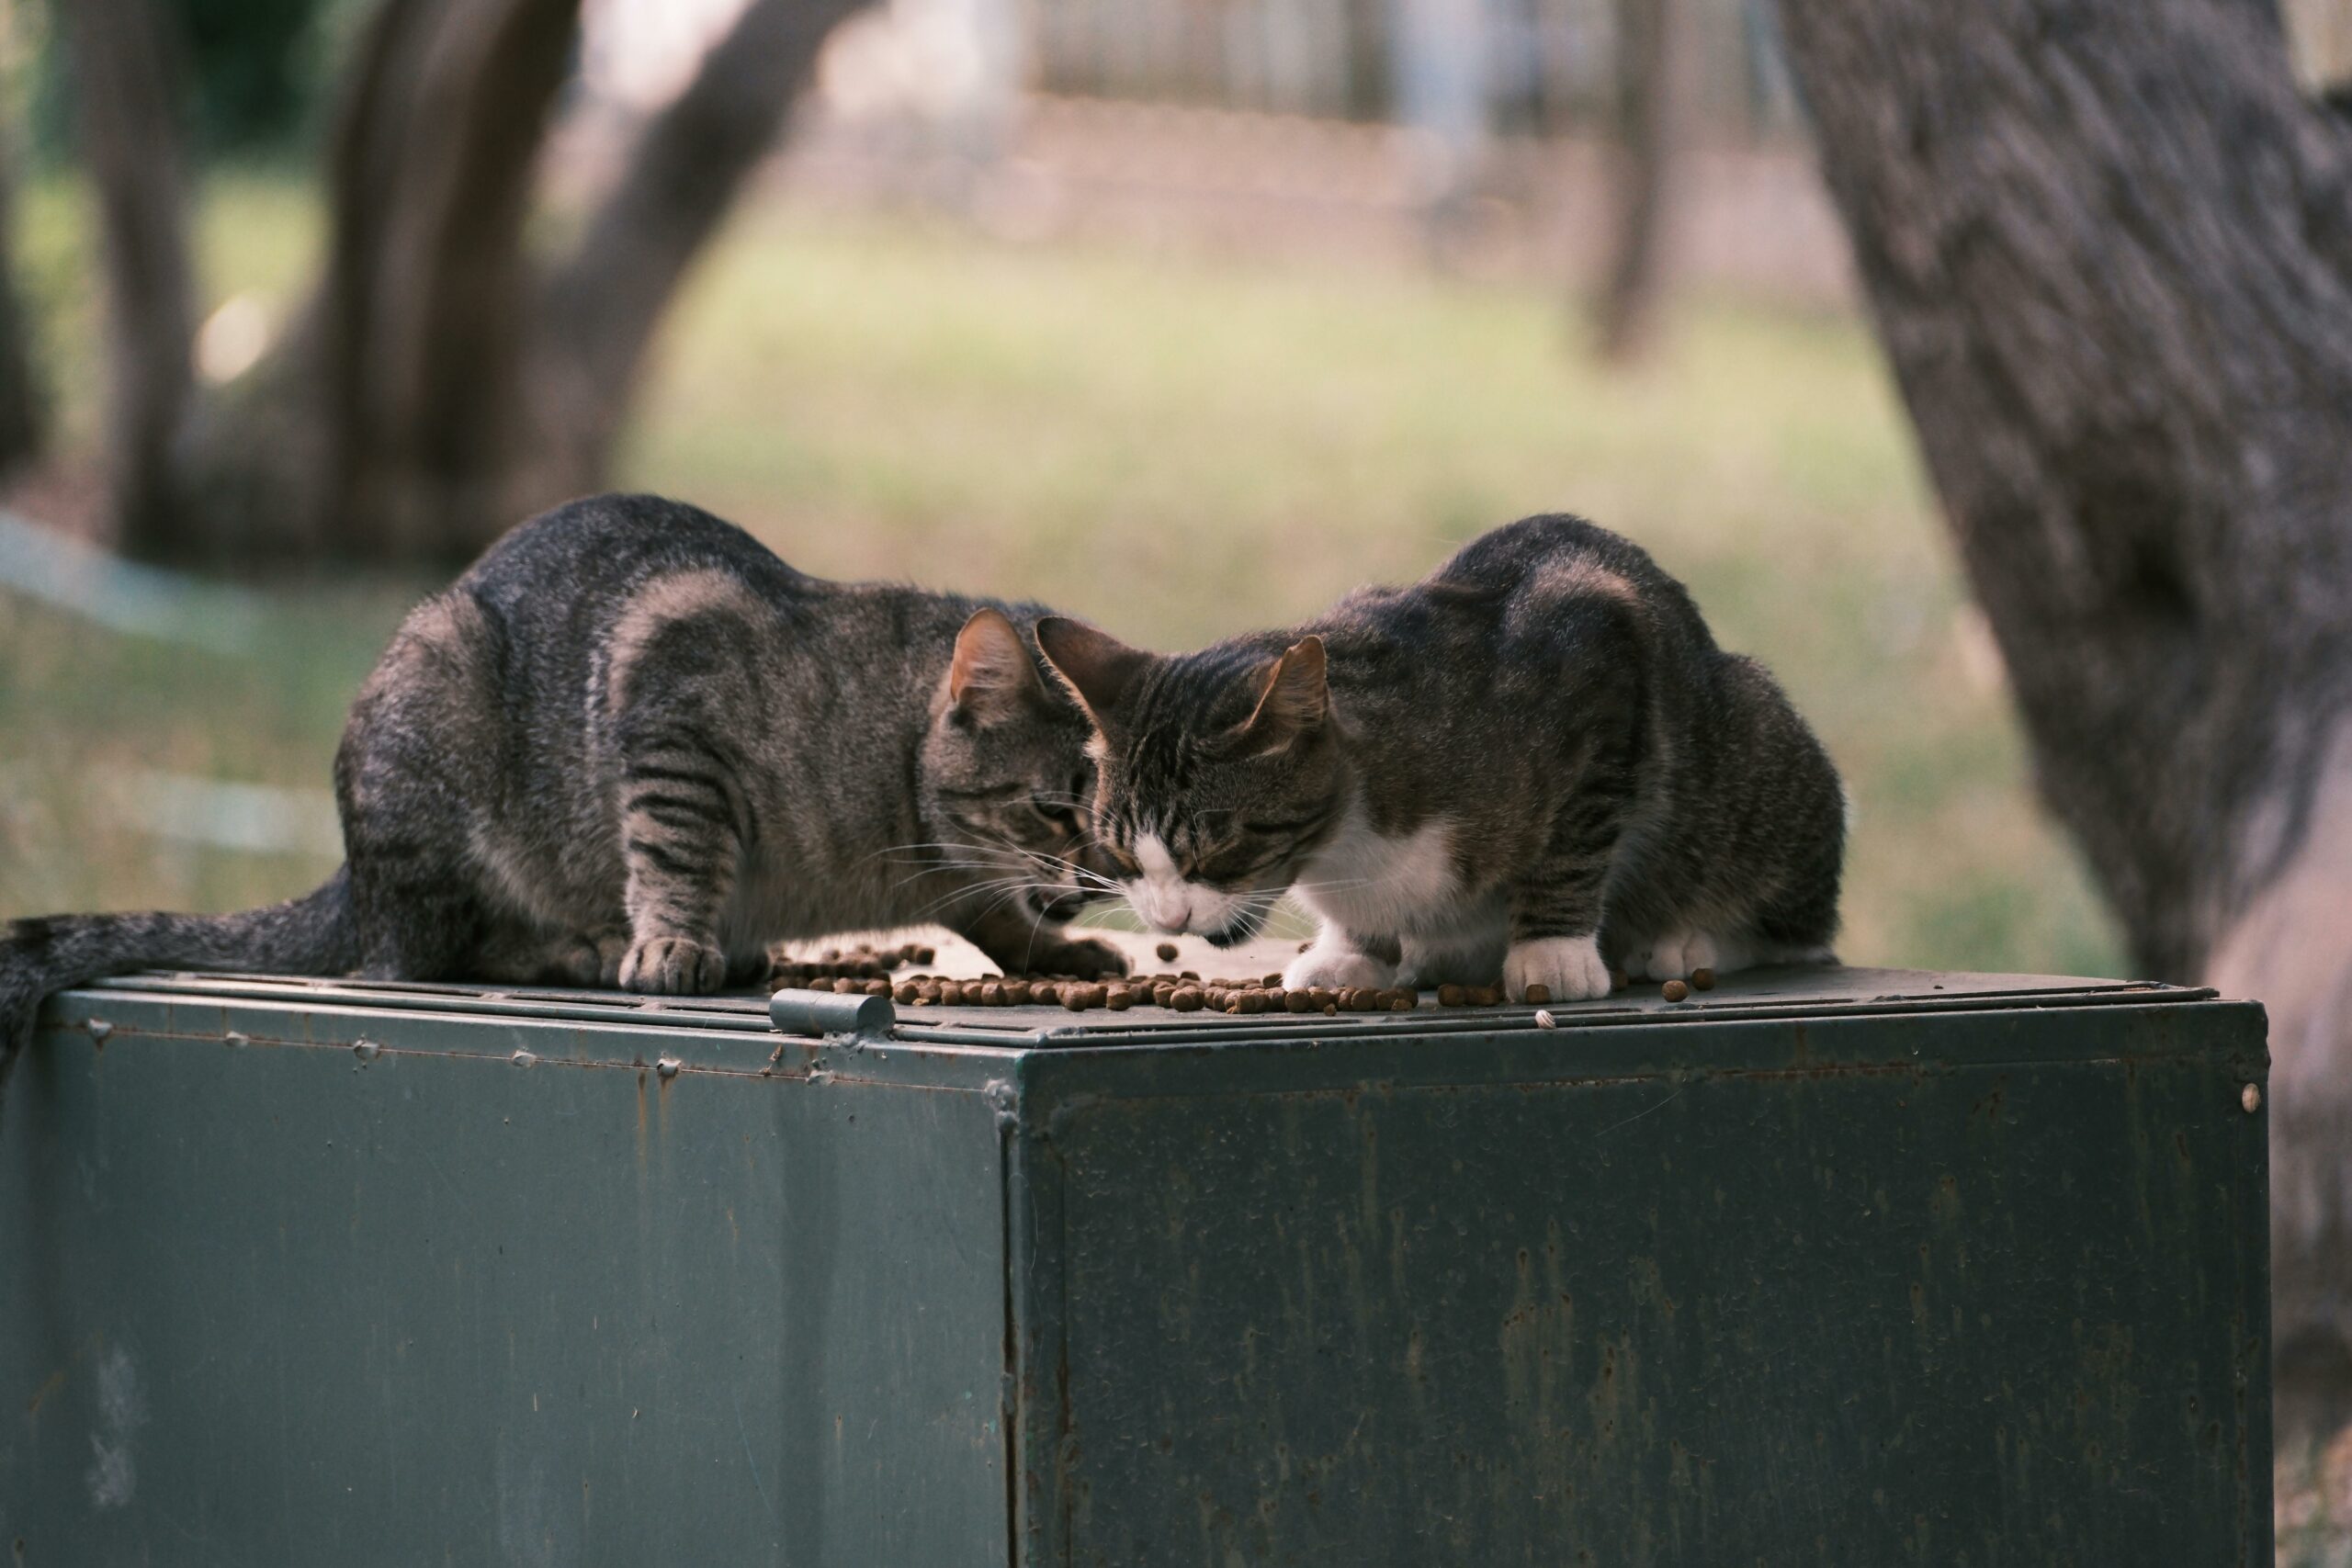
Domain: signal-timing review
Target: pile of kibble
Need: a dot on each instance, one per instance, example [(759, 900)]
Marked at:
[(867, 971), (861, 963), (1184, 992)]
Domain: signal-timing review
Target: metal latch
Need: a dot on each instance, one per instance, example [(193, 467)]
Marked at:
[(866, 1019)]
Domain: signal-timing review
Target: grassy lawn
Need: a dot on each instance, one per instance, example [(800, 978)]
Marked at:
[(1177, 450)]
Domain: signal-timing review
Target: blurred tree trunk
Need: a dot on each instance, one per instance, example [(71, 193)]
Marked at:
[(22, 411), (601, 305), (1644, 128), (442, 384), (419, 327), (2109, 253), (125, 61)]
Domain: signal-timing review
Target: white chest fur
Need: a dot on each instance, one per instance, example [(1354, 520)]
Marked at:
[(1372, 884)]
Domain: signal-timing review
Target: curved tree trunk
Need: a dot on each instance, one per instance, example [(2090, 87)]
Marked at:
[(419, 331), (1645, 124), (383, 428), (442, 386), (2109, 253), (125, 66), (22, 411), (601, 305)]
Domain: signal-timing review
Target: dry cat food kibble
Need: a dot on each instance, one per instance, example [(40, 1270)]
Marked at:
[(1166, 950), (1674, 991), (1538, 994), (1702, 980), (1235, 996)]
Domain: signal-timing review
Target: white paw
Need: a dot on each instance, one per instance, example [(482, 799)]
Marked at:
[(1569, 967), (1677, 954), (1337, 967)]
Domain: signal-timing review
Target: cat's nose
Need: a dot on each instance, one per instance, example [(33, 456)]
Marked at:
[(1159, 912)]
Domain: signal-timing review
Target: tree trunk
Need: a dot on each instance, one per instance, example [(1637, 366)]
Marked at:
[(1625, 310), (124, 59), (2109, 249), (602, 304), (440, 388), (420, 326), (22, 411)]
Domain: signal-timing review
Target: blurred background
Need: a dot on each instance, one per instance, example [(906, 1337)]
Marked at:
[(1183, 315)]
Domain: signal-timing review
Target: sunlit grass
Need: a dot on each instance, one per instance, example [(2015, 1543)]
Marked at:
[(1175, 449)]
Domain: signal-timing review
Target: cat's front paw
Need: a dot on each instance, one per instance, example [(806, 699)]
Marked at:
[(1567, 967), (594, 960), (673, 966), (1679, 954), (1086, 957), (1337, 969)]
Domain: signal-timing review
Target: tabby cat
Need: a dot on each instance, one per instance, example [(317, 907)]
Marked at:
[(1531, 765), (631, 746)]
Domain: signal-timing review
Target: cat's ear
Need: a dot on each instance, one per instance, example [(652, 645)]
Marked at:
[(991, 676), (1293, 699), (1096, 667)]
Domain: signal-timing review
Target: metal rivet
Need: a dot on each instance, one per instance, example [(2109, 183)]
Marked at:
[(667, 1066), (2251, 1097), (522, 1058), (234, 1039), (366, 1050), (99, 1028), (1544, 1019)]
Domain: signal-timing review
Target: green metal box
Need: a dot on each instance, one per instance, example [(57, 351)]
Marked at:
[(1840, 1267)]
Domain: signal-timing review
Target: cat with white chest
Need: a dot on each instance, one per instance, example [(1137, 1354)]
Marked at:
[(1532, 765)]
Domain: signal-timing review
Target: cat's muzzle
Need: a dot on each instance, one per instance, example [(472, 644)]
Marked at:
[(1247, 923)]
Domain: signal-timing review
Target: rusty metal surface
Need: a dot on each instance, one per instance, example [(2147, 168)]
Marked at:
[(1951, 1288), (365, 1287), (1847, 1267)]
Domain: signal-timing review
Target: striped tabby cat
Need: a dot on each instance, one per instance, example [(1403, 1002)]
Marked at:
[(1531, 765), (632, 747)]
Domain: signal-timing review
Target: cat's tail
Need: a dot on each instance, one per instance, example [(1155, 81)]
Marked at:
[(314, 934)]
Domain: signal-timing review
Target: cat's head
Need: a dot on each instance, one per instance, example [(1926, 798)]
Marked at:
[(1219, 774), (1005, 775)]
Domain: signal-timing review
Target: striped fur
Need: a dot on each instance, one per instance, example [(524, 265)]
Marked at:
[(1531, 764), (632, 747)]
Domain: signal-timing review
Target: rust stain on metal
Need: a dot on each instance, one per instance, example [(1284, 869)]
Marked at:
[(641, 1119), (53, 1383)]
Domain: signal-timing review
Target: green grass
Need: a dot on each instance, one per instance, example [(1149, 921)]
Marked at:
[(1175, 449)]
